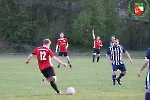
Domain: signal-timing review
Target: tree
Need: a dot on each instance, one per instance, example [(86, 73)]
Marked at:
[(100, 15), (15, 22), (91, 17)]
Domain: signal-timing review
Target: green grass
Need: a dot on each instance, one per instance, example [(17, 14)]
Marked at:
[(92, 81), (136, 54)]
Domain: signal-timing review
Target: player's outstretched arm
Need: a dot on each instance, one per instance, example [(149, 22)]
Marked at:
[(59, 61), (93, 34), (145, 63), (128, 55), (30, 56)]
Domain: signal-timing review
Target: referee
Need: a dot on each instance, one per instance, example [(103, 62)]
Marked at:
[(114, 55), (147, 83)]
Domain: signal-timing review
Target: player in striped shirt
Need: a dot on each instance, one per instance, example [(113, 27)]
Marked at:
[(97, 45), (114, 55), (147, 84)]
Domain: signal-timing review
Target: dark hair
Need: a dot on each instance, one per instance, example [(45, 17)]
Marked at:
[(116, 39), (46, 41)]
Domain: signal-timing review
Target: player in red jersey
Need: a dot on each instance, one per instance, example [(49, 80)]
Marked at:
[(44, 55), (62, 44), (97, 45)]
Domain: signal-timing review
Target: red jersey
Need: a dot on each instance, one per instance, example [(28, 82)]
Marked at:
[(62, 43), (43, 56), (97, 43)]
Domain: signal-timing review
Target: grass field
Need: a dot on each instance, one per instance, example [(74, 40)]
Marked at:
[(92, 81)]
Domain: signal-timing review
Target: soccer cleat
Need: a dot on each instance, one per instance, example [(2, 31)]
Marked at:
[(113, 84), (45, 81), (70, 66), (59, 92), (93, 60), (58, 65), (119, 82)]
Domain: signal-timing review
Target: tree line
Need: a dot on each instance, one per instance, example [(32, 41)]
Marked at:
[(25, 23)]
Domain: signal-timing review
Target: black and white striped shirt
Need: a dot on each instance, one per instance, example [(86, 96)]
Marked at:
[(111, 44), (116, 54)]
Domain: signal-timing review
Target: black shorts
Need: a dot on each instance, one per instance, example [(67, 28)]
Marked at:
[(97, 51), (63, 53), (48, 72), (147, 83)]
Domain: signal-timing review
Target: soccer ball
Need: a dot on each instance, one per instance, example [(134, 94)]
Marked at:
[(70, 90)]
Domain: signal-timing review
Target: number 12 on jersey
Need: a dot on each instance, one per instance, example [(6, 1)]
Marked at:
[(42, 55)]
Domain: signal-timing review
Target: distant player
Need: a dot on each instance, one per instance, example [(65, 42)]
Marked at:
[(112, 39), (114, 56), (144, 65), (43, 54), (97, 45), (62, 44)]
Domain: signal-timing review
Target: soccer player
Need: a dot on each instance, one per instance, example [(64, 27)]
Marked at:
[(147, 84), (62, 44), (112, 39), (114, 56), (97, 45), (43, 54)]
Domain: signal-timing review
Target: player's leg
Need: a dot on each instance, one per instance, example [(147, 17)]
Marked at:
[(59, 57), (122, 68), (147, 94), (147, 86), (114, 69), (94, 54), (98, 55), (53, 84), (68, 59), (49, 73)]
